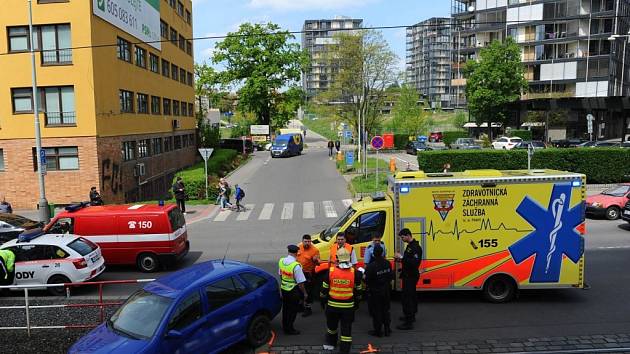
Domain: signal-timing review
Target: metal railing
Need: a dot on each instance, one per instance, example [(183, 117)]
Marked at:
[(56, 56), (61, 118), (100, 304)]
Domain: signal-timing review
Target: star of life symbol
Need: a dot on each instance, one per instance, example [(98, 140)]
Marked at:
[(554, 234), (443, 204)]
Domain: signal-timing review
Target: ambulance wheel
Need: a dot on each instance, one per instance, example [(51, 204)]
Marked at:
[(148, 262), (57, 290), (499, 289), (612, 213), (259, 330)]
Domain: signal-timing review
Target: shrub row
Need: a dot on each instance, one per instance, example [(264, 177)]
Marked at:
[(221, 162), (400, 141), (600, 165), (450, 137)]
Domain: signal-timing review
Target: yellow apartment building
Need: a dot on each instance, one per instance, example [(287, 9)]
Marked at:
[(115, 88)]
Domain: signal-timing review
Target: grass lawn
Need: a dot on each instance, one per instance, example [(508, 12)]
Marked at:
[(368, 185), (321, 126)]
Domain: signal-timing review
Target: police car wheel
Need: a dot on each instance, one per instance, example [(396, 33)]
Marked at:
[(259, 330), (57, 290), (148, 262), (499, 289)]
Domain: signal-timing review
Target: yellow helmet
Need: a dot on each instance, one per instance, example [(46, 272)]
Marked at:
[(343, 256)]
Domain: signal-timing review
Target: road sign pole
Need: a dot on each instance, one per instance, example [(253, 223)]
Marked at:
[(205, 171), (376, 170)]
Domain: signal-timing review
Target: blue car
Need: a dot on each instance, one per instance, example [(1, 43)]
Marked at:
[(205, 308)]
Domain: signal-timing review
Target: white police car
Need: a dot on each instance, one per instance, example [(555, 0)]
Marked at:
[(54, 259)]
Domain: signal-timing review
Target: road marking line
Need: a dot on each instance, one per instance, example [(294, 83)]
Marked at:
[(308, 210), (267, 160), (287, 211), (244, 215), (329, 209), (613, 247), (265, 213), (223, 215), (347, 202)]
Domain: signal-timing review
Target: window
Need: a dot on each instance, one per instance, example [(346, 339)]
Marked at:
[(172, 3), (18, 39), (163, 29), (186, 313), (59, 105), (156, 147), (168, 144), (166, 67), (189, 79), (180, 8), (190, 110), (223, 292), (188, 17), (141, 57), (56, 41), (173, 36), (184, 109), (254, 281), (177, 142), (129, 150), (365, 227), (144, 146), (154, 63), (1, 160), (155, 105), (23, 100), (126, 101), (191, 139), (174, 72), (143, 103), (182, 42), (123, 50), (175, 108), (184, 141), (189, 47), (59, 158), (166, 106), (182, 76)]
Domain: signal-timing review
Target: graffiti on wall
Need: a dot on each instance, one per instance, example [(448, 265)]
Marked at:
[(111, 176)]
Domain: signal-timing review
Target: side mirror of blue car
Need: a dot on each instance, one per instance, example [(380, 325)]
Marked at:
[(175, 334)]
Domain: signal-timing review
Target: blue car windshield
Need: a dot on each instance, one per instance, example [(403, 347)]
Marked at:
[(140, 315), (281, 143)]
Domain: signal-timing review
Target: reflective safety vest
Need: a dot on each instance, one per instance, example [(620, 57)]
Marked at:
[(335, 247), (8, 258), (341, 293), (287, 276)]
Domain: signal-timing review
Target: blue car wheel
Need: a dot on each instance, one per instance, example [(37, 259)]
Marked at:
[(259, 330)]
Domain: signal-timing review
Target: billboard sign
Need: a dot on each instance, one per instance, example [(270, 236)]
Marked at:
[(259, 129), (139, 18)]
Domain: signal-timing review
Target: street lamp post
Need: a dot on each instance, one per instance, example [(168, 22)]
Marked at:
[(43, 203)]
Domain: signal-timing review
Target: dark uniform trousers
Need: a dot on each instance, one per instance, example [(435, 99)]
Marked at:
[(309, 286), (334, 317), (378, 306), (409, 298), (290, 308)]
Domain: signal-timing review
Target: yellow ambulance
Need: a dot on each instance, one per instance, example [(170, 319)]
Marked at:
[(489, 230)]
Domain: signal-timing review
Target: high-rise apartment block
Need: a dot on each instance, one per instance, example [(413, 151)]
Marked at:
[(317, 37), (115, 98), (429, 60)]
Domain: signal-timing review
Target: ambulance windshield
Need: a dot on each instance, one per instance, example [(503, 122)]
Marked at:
[(327, 234)]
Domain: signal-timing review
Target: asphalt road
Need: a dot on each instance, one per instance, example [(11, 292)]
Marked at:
[(303, 194)]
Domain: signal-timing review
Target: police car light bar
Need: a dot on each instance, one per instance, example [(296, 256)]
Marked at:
[(30, 235)]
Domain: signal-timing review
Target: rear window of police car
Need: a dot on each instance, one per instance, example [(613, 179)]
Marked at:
[(82, 246)]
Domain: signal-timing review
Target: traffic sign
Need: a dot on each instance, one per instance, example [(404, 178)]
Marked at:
[(347, 133), (42, 159), (205, 153), (589, 123), (377, 142)]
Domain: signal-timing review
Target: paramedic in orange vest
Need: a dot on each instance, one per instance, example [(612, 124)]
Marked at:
[(341, 243), (339, 295), (291, 279)]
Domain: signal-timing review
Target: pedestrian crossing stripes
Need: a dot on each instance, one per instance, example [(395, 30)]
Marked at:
[(286, 211)]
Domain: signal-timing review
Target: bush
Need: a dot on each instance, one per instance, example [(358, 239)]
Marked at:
[(450, 137), (400, 141), (523, 134), (221, 161), (600, 165)]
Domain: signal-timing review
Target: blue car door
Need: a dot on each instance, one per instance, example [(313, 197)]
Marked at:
[(229, 307), (185, 330)]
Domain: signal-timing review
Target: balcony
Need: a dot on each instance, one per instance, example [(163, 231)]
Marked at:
[(56, 57), (60, 118)]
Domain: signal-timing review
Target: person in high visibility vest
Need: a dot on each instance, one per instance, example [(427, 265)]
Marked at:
[(7, 267), (291, 279), (341, 243), (339, 295)]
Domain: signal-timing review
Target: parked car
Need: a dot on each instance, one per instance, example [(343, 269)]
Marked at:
[(237, 144), (566, 143), (537, 145), (435, 137), (465, 144), (204, 308), (625, 145), (505, 143), (595, 144), (12, 225), (413, 147), (609, 202), (42, 258)]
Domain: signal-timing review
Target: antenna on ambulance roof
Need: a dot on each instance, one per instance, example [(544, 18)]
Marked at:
[(225, 255)]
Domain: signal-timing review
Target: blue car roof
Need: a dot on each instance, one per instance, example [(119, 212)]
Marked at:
[(173, 284), (284, 136)]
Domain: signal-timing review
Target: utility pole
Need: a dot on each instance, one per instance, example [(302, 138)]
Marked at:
[(43, 203)]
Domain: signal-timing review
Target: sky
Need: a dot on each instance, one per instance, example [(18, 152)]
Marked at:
[(218, 17)]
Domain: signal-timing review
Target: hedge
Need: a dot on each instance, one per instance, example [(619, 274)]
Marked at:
[(400, 141), (523, 134), (450, 137), (600, 165), (221, 162)]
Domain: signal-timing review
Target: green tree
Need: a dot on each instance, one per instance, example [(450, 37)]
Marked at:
[(259, 59), (285, 106), (207, 84), (459, 120), (494, 81), (408, 115)]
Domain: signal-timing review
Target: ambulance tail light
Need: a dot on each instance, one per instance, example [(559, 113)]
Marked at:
[(79, 263)]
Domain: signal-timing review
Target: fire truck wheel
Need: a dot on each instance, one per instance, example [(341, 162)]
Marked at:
[(57, 290), (148, 262), (499, 289), (259, 330)]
